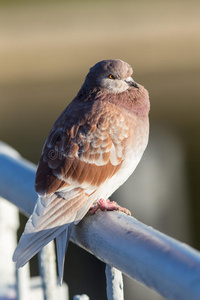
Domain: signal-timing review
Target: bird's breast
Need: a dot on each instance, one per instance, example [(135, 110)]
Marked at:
[(131, 151)]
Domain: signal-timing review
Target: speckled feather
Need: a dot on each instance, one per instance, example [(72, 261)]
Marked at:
[(93, 147)]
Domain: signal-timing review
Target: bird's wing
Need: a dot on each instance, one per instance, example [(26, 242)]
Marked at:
[(83, 153), (78, 156)]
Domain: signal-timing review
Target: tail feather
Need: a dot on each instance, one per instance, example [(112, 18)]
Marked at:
[(26, 249), (51, 219), (62, 241)]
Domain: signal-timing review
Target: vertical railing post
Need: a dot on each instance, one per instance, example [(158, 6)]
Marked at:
[(9, 223), (23, 283), (114, 284), (47, 267)]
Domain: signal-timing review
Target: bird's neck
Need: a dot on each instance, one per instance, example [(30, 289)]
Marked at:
[(133, 100)]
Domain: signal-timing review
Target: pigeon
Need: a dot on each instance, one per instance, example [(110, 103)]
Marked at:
[(91, 150)]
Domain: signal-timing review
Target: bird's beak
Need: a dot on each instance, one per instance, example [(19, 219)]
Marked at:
[(131, 82)]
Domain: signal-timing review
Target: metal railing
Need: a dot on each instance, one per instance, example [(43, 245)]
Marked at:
[(165, 265)]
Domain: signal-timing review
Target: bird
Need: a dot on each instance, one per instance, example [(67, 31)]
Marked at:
[(91, 150)]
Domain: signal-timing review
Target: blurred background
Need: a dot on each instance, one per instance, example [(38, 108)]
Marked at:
[(46, 50)]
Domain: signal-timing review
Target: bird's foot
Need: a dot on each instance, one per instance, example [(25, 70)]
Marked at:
[(109, 206)]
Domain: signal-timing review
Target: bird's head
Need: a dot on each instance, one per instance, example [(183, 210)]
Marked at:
[(112, 75)]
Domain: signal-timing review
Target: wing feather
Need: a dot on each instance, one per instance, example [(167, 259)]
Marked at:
[(82, 147)]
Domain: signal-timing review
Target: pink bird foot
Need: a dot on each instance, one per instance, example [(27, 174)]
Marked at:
[(109, 206)]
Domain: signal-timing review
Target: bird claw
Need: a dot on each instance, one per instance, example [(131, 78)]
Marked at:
[(109, 206)]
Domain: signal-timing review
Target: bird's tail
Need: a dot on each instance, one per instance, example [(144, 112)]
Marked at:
[(31, 243), (51, 218), (62, 241), (35, 238)]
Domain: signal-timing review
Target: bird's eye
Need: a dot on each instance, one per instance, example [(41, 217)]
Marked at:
[(111, 76)]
